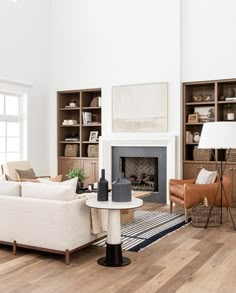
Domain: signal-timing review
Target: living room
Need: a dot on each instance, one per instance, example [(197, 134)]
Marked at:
[(49, 47)]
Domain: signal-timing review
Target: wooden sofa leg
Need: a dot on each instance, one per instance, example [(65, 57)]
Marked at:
[(171, 207), (14, 248), (186, 215), (67, 257)]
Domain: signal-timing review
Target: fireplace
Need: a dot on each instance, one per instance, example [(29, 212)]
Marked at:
[(141, 172), (145, 167)]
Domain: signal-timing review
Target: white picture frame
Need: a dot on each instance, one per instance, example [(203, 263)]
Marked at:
[(140, 108), (93, 136)]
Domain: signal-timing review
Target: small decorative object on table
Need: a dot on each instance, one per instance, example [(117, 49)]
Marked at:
[(200, 214), (102, 188), (121, 190)]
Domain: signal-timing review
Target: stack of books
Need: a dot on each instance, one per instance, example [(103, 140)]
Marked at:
[(230, 99), (87, 117)]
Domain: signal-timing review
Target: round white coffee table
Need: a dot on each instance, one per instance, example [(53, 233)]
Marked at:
[(114, 256)]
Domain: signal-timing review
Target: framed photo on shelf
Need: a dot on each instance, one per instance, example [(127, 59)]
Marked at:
[(206, 114), (93, 136), (193, 118)]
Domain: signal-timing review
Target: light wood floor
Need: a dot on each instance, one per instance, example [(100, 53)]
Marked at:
[(192, 260)]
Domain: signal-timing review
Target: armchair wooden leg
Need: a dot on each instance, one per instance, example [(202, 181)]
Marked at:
[(67, 257), (14, 248), (186, 215), (171, 207)]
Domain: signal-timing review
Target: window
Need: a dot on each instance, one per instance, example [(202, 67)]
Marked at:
[(12, 127)]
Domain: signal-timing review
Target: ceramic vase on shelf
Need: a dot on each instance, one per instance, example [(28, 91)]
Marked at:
[(230, 116), (102, 188)]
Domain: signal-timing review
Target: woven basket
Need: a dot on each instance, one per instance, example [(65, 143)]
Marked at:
[(92, 150), (71, 150), (201, 154), (200, 214), (232, 155)]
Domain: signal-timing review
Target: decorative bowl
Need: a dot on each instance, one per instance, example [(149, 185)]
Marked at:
[(198, 98)]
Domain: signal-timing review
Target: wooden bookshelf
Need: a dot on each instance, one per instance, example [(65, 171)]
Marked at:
[(86, 100), (217, 91)]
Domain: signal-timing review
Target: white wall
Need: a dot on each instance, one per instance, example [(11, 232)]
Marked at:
[(208, 40), (107, 43), (24, 59)]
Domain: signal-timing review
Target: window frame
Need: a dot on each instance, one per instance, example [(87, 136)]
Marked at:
[(21, 119)]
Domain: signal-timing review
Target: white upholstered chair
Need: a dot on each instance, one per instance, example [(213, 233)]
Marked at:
[(10, 167)]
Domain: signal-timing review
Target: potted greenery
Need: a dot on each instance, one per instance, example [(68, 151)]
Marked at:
[(79, 173)]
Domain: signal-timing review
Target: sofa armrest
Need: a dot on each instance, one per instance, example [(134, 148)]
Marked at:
[(181, 181)]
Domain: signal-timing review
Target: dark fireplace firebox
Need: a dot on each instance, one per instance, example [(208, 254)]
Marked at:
[(144, 167), (141, 172)]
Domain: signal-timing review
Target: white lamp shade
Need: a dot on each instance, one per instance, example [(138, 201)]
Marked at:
[(217, 135)]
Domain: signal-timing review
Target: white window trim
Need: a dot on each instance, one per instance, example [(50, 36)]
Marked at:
[(23, 91)]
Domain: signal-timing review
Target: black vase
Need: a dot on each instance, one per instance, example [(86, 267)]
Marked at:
[(79, 186), (102, 188)]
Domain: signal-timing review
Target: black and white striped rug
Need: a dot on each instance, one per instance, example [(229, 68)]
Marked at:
[(146, 228)]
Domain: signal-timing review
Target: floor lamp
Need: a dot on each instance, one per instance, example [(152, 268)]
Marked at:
[(219, 135)]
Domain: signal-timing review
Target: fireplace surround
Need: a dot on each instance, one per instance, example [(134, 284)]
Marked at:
[(145, 140), (158, 154)]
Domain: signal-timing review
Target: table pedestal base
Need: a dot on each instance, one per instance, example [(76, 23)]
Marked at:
[(113, 257)]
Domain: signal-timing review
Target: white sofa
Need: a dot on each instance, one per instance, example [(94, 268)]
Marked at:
[(50, 225)]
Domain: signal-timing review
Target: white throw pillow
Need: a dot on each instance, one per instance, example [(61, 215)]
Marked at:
[(11, 188), (48, 191), (206, 177), (71, 182)]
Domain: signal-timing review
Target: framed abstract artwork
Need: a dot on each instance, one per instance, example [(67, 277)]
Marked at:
[(142, 107)]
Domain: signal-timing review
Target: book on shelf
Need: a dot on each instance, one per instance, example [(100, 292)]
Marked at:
[(71, 139), (230, 99), (87, 117), (93, 123)]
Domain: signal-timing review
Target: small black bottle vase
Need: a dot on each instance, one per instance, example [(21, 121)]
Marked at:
[(102, 188)]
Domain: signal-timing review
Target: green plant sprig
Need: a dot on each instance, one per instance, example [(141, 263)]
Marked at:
[(77, 172)]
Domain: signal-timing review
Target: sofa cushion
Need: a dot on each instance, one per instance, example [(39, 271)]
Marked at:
[(11, 188), (178, 190), (2, 178), (23, 174), (48, 191), (206, 177)]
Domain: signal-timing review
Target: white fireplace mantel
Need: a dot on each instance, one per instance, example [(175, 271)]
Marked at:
[(168, 141)]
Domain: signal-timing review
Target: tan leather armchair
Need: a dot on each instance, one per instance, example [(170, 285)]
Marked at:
[(187, 194)]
